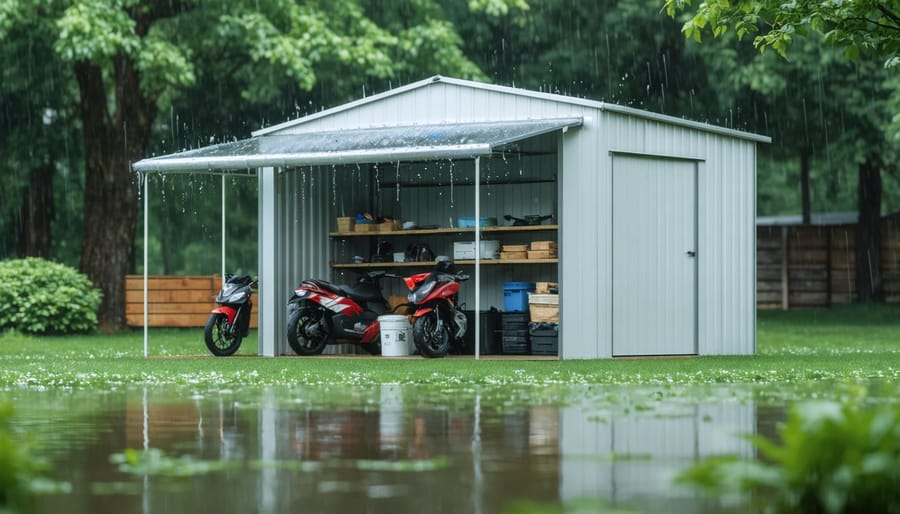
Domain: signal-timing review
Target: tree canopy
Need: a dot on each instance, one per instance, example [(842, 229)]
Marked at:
[(856, 26)]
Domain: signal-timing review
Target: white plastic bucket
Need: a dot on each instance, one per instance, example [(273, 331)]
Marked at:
[(396, 336)]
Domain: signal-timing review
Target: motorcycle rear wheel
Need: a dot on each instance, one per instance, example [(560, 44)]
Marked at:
[(430, 337), (219, 340), (299, 320)]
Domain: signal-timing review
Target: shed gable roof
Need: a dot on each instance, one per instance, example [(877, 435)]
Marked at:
[(566, 106)]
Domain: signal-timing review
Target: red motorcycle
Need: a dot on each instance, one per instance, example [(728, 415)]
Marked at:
[(439, 322), (320, 311), (229, 323)]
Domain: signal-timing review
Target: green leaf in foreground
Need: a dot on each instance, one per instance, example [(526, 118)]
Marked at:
[(832, 458)]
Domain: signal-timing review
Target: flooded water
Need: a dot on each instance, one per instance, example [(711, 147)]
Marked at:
[(392, 449)]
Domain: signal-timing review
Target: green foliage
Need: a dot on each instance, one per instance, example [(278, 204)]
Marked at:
[(832, 459), (860, 25), (16, 468), (43, 297)]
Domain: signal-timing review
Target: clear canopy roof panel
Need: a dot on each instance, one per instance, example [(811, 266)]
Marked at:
[(457, 140)]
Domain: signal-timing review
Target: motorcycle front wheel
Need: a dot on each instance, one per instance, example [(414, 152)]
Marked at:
[(431, 338), (221, 341), (298, 334)]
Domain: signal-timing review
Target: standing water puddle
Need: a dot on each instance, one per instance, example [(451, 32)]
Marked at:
[(389, 448)]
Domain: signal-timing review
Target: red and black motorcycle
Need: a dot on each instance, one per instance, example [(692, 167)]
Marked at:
[(320, 311), (439, 321), (229, 323)]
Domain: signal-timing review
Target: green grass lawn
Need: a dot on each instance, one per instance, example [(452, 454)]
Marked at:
[(852, 344)]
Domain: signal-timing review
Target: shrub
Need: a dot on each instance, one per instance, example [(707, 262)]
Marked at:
[(43, 297), (832, 459)]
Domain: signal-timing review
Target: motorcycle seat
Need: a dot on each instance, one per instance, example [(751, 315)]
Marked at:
[(363, 293)]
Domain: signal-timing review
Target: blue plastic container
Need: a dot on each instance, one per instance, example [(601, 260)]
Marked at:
[(469, 222), (515, 296)]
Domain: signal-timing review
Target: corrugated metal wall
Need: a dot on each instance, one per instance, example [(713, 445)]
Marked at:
[(726, 211)]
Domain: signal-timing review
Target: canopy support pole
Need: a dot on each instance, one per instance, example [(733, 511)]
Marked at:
[(146, 179), (477, 258), (223, 229)]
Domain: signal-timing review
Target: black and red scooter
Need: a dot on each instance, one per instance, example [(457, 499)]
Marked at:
[(319, 312), (439, 321)]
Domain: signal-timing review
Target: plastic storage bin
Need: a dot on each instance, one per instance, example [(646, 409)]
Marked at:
[(515, 296)]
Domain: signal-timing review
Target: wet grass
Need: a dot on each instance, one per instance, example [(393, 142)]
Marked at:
[(853, 344)]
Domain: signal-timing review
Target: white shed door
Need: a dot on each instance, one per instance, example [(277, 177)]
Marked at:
[(654, 256)]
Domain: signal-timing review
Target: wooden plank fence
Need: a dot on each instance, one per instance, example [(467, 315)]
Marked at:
[(803, 266), (174, 301)]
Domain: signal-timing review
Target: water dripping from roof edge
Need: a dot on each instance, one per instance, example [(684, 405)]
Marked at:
[(451, 182), (334, 189), (397, 181)]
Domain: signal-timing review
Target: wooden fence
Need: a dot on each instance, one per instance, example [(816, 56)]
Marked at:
[(801, 266), (183, 301), (797, 266)]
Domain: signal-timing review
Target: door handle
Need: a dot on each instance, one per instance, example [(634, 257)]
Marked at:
[(691, 253)]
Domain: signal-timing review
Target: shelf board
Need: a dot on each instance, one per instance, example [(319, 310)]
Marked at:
[(432, 231), (465, 262)]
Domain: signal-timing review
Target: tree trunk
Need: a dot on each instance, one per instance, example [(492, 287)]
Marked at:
[(112, 142), (37, 212), (868, 232)]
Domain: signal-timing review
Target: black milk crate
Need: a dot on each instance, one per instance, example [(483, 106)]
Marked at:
[(523, 334), (515, 345), (490, 334), (515, 321), (543, 329), (544, 345)]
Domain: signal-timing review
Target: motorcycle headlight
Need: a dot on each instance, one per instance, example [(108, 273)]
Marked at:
[(420, 294), (239, 296)]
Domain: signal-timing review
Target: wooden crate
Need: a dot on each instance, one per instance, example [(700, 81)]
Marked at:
[(513, 255), (544, 287), (515, 248), (389, 226), (543, 245), (345, 225), (542, 254), (365, 227)]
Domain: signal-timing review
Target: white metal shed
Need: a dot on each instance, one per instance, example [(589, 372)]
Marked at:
[(655, 215)]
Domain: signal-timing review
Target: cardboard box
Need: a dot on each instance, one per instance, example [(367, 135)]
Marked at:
[(543, 308)]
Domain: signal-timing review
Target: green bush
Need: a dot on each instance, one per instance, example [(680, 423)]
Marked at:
[(832, 459), (43, 297)]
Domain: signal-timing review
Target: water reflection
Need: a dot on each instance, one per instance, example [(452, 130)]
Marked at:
[(383, 449)]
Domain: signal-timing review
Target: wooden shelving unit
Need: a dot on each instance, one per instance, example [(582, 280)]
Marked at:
[(449, 231), (444, 232), (465, 262)]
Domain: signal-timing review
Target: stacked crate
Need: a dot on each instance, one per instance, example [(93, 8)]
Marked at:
[(543, 330), (515, 333), (543, 250)]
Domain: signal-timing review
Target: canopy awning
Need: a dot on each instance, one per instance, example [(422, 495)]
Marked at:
[(383, 144)]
